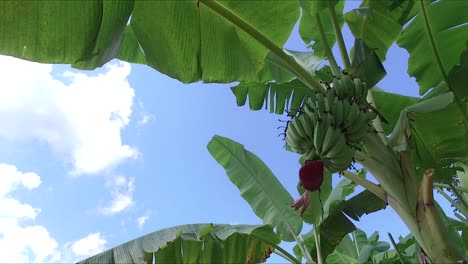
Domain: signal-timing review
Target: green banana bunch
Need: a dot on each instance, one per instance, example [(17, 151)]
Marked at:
[(347, 87), (332, 125)]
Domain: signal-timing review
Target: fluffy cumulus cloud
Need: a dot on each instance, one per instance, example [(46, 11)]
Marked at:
[(23, 242), (20, 242), (122, 195), (78, 115), (90, 245), (142, 220)]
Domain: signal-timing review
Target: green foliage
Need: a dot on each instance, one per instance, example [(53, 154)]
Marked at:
[(366, 65), (408, 249), (197, 243), (290, 95), (183, 39), (358, 248), (226, 41), (308, 28), (337, 210), (379, 23), (449, 33), (257, 185), (423, 127), (458, 78)]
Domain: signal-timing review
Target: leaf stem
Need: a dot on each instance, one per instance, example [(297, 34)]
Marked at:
[(317, 245), (432, 40), (295, 68), (328, 52), (284, 254), (304, 250), (463, 219), (402, 261), (459, 207), (460, 198), (458, 188), (356, 244), (339, 36), (372, 187)]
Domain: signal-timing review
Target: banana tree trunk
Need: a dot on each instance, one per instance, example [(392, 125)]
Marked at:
[(413, 202)]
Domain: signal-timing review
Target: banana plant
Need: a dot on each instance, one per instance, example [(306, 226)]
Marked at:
[(423, 144)]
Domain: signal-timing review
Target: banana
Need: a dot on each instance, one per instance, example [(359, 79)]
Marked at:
[(319, 135), (320, 105), (341, 164), (300, 129), (331, 97), (348, 84), (330, 140), (307, 125), (329, 120), (365, 90), (338, 87), (352, 115), (292, 137), (358, 133), (358, 123), (339, 113), (312, 155), (361, 88), (311, 104), (357, 89), (338, 147)]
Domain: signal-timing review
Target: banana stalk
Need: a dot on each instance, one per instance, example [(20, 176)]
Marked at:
[(415, 205)]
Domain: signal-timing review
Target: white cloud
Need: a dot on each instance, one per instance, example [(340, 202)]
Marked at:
[(22, 243), (81, 118), (141, 221), (145, 119), (19, 242), (122, 196), (88, 246)]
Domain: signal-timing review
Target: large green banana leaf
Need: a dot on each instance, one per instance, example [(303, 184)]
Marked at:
[(435, 131), (186, 40), (196, 243), (337, 210), (308, 26), (457, 77), (448, 22), (258, 186), (379, 23), (390, 105)]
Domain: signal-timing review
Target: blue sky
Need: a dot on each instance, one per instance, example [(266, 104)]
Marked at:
[(89, 160)]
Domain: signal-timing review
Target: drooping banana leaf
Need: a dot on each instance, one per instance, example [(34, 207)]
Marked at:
[(196, 243), (258, 186), (390, 105), (435, 131), (449, 32), (366, 65), (187, 40), (282, 97)]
